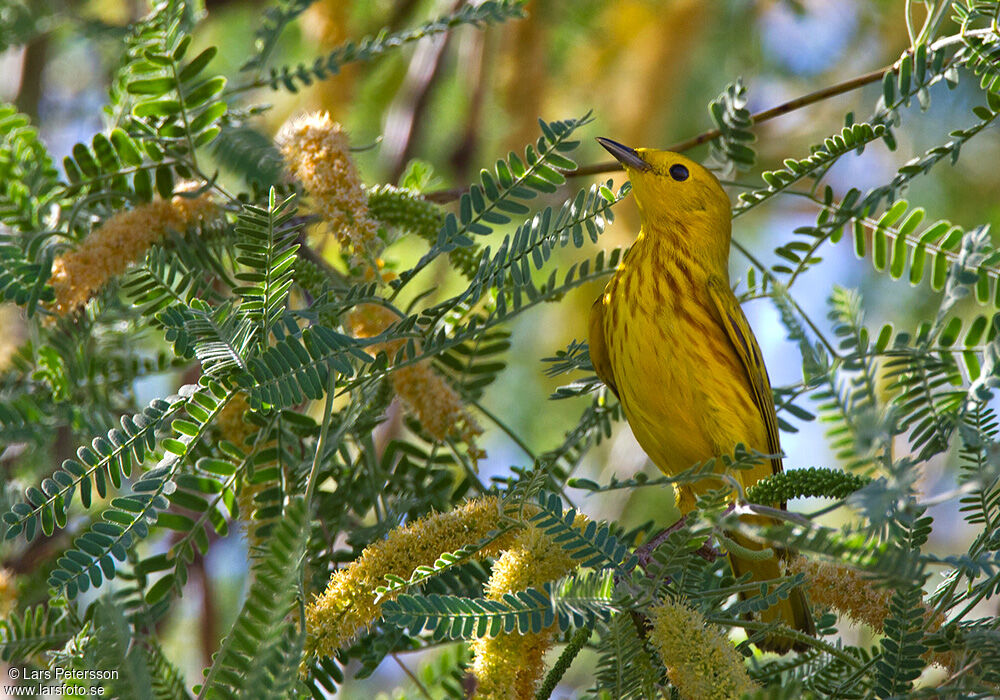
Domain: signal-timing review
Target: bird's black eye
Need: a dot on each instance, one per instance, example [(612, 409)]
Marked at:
[(678, 172)]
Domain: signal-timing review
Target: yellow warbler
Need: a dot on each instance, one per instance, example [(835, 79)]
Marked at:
[(670, 340)]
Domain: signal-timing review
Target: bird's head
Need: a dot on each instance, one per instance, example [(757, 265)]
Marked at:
[(670, 188)]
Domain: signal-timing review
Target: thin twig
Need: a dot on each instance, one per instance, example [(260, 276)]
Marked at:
[(321, 442), (796, 635), (408, 110), (306, 252), (443, 196), (476, 84), (776, 513), (503, 427), (208, 624), (759, 117), (471, 469), (416, 681), (448, 195), (908, 16)]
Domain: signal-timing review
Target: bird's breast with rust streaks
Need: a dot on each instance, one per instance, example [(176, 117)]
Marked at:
[(681, 384)]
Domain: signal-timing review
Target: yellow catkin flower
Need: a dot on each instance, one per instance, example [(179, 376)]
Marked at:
[(368, 320), (425, 393), (230, 421), (235, 429), (245, 500), (700, 660), (839, 587), (119, 241), (436, 405), (8, 592), (348, 603), (509, 666), (317, 153), (846, 590)]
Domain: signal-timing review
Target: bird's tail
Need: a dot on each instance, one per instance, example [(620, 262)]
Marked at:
[(792, 611)]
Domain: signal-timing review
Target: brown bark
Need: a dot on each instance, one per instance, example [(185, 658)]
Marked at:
[(29, 93)]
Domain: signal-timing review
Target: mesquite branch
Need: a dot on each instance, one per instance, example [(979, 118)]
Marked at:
[(840, 88)]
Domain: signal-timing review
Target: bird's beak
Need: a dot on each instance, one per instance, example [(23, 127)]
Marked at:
[(624, 155)]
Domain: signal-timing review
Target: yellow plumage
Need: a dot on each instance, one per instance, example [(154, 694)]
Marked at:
[(670, 339)]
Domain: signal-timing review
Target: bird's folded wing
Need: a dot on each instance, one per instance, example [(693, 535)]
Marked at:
[(745, 344), (597, 341)]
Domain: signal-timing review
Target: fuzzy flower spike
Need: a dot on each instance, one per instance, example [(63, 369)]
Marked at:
[(510, 665), (121, 240), (348, 605), (701, 662), (317, 153), (424, 392)]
